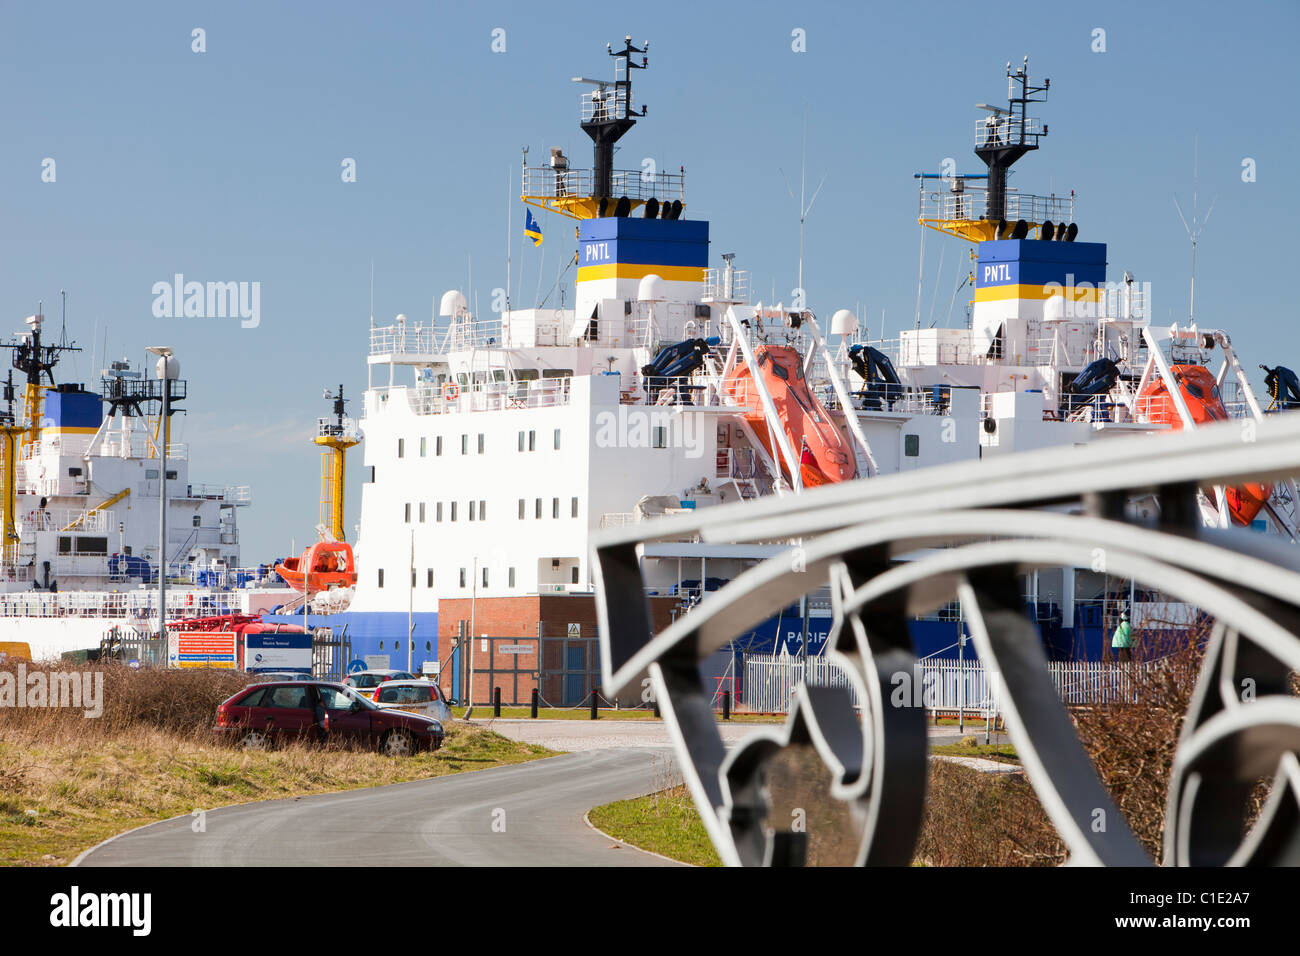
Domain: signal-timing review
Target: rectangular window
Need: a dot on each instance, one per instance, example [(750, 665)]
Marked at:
[(424, 447), (511, 576), (482, 510), (911, 445), (480, 443), (573, 508), (428, 578), (453, 511), (437, 511), (557, 439), (464, 444), (538, 513), (65, 544), (413, 578), (521, 509), (462, 577), (575, 574), (521, 441), (437, 446), (532, 441), (401, 448), (381, 577), (485, 584), (88, 545), (555, 507), (422, 511), (473, 509), (660, 436), (408, 512)]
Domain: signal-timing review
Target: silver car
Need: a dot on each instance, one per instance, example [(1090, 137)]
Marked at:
[(414, 696)]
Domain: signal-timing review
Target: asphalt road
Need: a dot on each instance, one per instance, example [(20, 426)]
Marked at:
[(528, 814)]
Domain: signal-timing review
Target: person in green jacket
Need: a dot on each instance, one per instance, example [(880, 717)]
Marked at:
[(1122, 640)]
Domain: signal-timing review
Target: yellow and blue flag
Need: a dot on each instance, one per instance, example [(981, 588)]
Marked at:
[(531, 229)]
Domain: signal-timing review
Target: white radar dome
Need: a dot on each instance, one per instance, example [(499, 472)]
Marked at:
[(844, 322), (453, 303), (173, 367), (652, 289)]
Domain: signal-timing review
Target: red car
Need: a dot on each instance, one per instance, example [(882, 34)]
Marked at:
[(260, 716)]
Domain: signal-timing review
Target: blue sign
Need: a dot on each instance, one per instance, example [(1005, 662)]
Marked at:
[(356, 666)]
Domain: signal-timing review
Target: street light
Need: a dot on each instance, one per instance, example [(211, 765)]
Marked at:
[(164, 353)]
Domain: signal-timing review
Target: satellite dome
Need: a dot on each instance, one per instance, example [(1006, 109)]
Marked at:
[(173, 367), (453, 303), (651, 289), (844, 322)]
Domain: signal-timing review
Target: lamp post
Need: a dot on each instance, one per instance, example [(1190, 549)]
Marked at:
[(165, 353)]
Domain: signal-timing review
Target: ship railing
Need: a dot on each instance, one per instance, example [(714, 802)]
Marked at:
[(229, 494), (604, 103), (86, 521), (415, 338), (330, 428), (547, 182), (432, 399), (1008, 130), (715, 285), (970, 202), (739, 463), (56, 445), (140, 606)]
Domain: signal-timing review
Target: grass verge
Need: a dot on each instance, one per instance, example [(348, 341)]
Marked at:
[(665, 822), (59, 796)]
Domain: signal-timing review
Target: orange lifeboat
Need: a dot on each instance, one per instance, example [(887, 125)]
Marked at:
[(1201, 393), (328, 564), (825, 456)]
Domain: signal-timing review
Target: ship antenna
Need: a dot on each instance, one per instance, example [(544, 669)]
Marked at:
[(804, 209), (606, 116), (1007, 135), (1197, 227)]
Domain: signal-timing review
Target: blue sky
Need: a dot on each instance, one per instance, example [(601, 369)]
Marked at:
[(225, 166)]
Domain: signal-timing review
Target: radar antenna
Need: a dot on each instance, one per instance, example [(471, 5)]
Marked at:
[(1009, 134)]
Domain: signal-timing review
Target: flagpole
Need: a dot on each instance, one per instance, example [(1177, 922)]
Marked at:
[(510, 208)]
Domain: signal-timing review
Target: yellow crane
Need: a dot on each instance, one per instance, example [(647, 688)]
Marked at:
[(336, 437)]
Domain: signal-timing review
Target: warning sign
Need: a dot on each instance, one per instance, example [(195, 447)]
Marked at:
[(575, 630), (203, 649)]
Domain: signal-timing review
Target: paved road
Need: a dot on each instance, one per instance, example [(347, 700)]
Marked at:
[(574, 735), (447, 821)]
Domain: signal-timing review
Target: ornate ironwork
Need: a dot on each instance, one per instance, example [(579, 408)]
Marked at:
[(978, 527)]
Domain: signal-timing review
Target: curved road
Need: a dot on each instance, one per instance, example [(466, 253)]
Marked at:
[(529, 814)]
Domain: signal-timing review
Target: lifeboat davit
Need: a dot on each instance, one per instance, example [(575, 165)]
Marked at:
[(1201, 393), (825, 456), (328, 564)]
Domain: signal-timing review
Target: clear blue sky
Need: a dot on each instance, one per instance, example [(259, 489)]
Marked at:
[(226, 166)]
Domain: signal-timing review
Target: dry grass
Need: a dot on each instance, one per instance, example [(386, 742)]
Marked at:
[(67, 782)]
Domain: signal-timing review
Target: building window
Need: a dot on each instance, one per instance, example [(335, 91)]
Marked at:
[(557, 439), (453, 511), (538, 509), (464, 444), (660, 436), (437, 446), (521, 509), (911, 445), (408, 512), (472, 509), (485, 584), (555, 507), (381, 577), (424, 447), (428, 578), (401, 448), (575, 574), (480, 443), (437, 511), (521, 441), (462, 577), (511, 576), (422, 510), (573, 508)]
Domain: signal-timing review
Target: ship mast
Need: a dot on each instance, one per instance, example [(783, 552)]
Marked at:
[(1008, 135), (609, 114)]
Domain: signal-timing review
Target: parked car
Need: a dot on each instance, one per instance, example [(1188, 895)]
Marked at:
[(413, 696), (263, 715), (365, 682)]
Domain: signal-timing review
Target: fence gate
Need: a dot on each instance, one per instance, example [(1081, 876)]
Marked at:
[(570, 669), (126, 643), (330, 655)]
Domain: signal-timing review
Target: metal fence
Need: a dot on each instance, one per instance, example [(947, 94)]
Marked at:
[(771, 683)]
